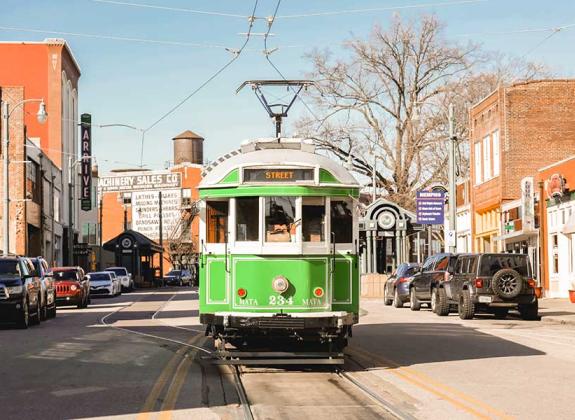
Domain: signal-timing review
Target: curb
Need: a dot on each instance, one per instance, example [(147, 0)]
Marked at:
[(558, 321)]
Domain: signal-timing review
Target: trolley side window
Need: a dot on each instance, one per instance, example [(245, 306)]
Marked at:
[(313, 219), (342, 221), (216, 221), (247, 211), (279, 219)]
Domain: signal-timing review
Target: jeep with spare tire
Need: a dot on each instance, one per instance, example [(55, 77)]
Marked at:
[(493, 283)]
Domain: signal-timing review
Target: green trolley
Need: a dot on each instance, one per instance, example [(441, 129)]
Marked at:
[(279, 248)]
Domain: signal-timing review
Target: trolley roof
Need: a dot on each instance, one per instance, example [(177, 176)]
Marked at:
[(274, 153)]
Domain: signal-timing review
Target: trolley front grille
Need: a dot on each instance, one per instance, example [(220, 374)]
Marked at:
[(290, 323)]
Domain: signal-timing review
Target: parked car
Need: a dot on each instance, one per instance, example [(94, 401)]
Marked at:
[(493, 283), (48, 304), (425, 286), (104, 283), (126, 281), (72, 286), (178, 278), (396, 289), (20, 292)]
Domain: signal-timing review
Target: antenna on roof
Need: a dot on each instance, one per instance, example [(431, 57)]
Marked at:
[(277, 111)]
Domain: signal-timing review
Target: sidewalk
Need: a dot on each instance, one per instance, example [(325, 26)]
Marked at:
[(557, 311)]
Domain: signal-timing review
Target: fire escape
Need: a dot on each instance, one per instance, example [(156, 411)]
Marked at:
[(181, 248)]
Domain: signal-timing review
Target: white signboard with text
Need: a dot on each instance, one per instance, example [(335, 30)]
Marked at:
[(146, 212)]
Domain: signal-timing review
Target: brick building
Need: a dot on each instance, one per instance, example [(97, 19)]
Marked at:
[(40, 154), (515, 131), (129, 200)]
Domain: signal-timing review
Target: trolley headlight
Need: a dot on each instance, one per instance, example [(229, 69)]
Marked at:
[(280, 284)]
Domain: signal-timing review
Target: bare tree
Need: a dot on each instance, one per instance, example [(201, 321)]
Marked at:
[(384, 109)]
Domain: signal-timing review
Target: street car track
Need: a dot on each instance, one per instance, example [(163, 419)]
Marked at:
[(242, 395)]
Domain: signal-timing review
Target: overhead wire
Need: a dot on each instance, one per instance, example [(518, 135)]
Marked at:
[(112, 37), (169, 8)]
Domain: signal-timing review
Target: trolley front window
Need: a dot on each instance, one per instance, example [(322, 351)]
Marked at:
[(313, 219), (216, 221), (342, 221), (247, 226), (279, 219)]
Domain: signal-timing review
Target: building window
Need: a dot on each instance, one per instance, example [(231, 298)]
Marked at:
[(279, 219), (555, 253), (313, 219), (342, 221), (57, 206), (496, 154), (486, 158), (247, 226), (217, 221), (477, 160)]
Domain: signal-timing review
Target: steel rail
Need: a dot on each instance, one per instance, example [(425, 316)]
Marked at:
[(390, 408), (244, 402)]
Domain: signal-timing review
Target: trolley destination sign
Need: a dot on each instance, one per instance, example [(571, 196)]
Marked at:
[(278, 175), (430, 207), (139, 182)]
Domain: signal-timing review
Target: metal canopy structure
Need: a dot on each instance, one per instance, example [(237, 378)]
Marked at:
[(279, 110)]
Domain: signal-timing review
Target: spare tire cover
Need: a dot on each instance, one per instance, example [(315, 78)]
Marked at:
[(507, 283)]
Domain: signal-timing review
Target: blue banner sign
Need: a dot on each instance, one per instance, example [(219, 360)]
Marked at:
[(430, 207)]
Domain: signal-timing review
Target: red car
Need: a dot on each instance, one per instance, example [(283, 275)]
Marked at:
[(72, 286)]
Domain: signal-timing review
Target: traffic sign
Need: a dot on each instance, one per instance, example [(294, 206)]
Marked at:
[(430, 207)]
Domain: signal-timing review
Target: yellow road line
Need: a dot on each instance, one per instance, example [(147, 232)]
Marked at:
[(165, 375), (424, 381)]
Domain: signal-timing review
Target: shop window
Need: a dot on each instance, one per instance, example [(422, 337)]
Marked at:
[(313, 219), (280, 219), (342, 221), (247, 226), (217, 221)]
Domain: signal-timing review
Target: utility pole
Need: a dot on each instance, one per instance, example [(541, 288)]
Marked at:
[(100, 239), (6, 184), (452, 193)]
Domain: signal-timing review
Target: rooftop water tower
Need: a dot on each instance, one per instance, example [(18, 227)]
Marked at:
[(188, 148)]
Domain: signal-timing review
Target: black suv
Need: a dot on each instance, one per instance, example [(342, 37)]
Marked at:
[(492, 283), (436, 270), (20, 291)]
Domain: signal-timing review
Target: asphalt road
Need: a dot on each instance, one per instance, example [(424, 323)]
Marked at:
[(138, 357)]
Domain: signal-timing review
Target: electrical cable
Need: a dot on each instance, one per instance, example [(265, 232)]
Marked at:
[(236, 55), (113, 38), (381, 9), (173, 9)]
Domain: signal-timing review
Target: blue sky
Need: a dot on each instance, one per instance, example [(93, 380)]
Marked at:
[(136, 83)]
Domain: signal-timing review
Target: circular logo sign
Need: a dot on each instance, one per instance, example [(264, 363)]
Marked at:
[(386, 220), (126, 243)]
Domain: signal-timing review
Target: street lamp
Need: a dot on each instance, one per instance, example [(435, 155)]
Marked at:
[(41, 116), (131, 127)]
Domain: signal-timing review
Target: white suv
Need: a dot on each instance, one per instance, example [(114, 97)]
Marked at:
[(125, 278)]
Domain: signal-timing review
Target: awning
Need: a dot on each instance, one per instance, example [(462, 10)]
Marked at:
[(569, 227), (136, 239), (517, 236)]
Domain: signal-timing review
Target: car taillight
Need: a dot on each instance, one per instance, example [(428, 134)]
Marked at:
[(402, 280), (318, 292), (242, 293), (531, 283), (479, 283)]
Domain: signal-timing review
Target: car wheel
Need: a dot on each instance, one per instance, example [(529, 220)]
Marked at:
[(414, 303), (82, 303), (35, 318), (500, 313), (433, 303), (397, 302), (24, 315), (52, 311), (529, 312), (386, 300), (441, 304), (466, 306)]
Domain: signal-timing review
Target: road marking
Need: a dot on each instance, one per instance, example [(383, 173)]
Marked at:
[(423, 381), (178, 381)]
